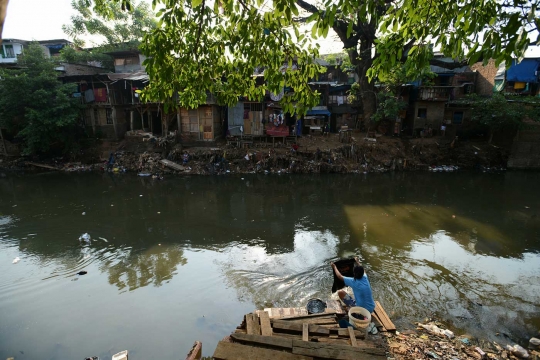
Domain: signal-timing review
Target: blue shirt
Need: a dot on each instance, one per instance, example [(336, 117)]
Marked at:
[(362, 292)]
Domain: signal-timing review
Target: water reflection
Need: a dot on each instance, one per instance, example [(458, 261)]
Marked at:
[(230, 245), (155, 266)]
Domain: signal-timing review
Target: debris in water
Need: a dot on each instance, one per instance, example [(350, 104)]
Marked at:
[(82, 272), (16, 260), (85, 237), (84, 213), (102, 239)]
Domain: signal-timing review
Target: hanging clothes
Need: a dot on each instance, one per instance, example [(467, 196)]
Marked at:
[(346, 268)]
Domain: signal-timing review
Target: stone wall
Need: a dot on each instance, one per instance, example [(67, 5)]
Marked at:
[(525, 152), (486, 77)]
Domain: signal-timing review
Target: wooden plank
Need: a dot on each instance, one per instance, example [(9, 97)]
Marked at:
[(249, 324), (387, 323), (352, 336), (309, 316), (377, 321), (345, 333), (256, 325), (305, 331), (335, 351), (172, 165), (274, 341), (232, 351), (42, 165), (266, 328), (294, 327), (324, 339), (195, 353)]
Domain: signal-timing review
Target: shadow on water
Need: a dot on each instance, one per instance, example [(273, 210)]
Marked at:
[(192, 254)]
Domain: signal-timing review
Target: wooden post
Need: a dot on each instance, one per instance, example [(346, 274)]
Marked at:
[(113, 115), (150, 121), (93, 120), (131, 119), (142, 118)]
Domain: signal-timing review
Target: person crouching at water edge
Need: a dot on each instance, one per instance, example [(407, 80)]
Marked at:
[(361, 290), (360, 285)]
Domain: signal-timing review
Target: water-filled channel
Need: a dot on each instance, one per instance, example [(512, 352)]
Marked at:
[(185, 258)]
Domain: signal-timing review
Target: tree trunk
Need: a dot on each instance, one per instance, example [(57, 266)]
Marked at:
[(367, 89)]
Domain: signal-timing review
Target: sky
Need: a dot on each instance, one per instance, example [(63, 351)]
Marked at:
[(43, 20), (37, 19)]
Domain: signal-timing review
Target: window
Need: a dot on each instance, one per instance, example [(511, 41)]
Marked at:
[(109, 117), (132, 60), (119, 62), (9, 51), (458, 117), (422, 113), (444, 80), (96, 117), (253, 106)]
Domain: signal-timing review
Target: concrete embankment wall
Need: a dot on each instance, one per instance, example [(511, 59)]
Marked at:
[(525, 153)]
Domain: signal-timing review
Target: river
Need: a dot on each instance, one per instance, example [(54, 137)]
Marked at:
[(183, 259)]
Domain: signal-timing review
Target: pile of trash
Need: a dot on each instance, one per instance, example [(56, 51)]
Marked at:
[(443, 168), (432, 341)]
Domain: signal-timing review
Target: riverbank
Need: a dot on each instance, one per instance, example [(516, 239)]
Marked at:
[(315, 154), (432, 340)]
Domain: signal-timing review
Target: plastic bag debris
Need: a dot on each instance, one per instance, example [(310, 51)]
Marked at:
[(16, 260), (518, 351), (85, 237)]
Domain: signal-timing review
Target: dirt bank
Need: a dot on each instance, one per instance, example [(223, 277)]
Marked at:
[(315, 154)]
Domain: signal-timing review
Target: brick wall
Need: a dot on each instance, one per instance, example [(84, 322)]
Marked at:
[(486, 77)]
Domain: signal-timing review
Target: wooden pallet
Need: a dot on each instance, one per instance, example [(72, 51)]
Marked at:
[(332, 306), (296, 337)]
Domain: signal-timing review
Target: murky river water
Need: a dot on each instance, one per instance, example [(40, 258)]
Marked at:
[(183, 259)]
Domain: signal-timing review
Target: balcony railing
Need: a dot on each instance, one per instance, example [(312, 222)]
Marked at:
[(338, 100), (445, 93)]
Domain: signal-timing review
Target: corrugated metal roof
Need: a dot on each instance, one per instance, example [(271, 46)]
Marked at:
[(136, 76), (441, 70)]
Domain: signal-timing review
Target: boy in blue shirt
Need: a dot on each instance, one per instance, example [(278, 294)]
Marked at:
[(360, 285)]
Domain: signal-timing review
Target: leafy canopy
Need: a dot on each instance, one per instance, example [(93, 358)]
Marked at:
[(37, 108), (206, 45), (112, 24)]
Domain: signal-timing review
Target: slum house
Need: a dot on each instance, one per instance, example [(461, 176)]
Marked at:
[(201, 124), (204, 123), (249, 120), (521, 79), (428, 101), (10, 49), (340, 80)]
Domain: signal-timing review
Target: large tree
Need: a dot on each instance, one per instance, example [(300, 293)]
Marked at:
[(112, 26), (215, 45), (37, 108)]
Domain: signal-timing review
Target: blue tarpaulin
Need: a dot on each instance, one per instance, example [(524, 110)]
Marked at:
[(319, 112), (525, 71)]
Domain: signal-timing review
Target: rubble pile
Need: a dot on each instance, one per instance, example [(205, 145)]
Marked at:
[(312, 155), (432, 341)]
